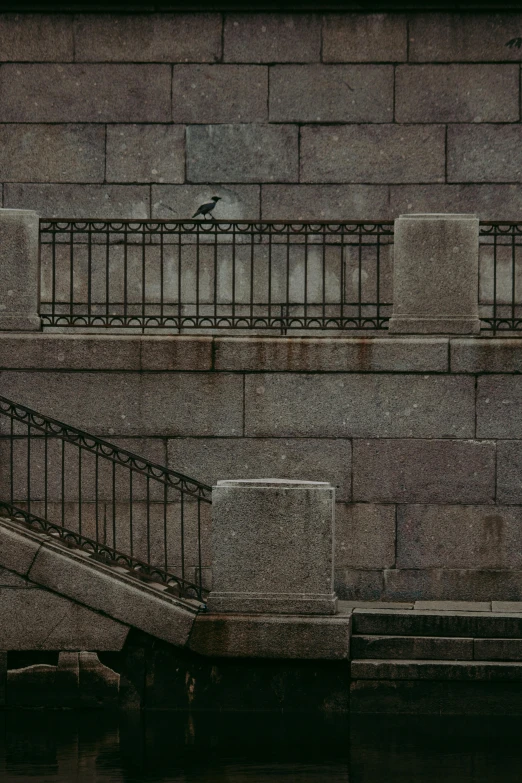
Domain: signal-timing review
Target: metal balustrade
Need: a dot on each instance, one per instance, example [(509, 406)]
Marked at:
[(500, 275)]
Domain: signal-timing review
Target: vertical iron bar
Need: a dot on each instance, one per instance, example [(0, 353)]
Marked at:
[(162, 274), (305, 281), (63, 483), (125, 273), (148, 520), (233, 275), (131, 507), (287, 303), (513, 277), (71, 277), (215, 275), (114, 542), (200, 565), (96, 505), (269, 275), (342, 281), (46, 471), (29, 468), (179, 280), (143, 279), (53, 274), (378, 277), (80, 490), (252, 276), (89, 274), (197, 275), (165, 541), (11, 458), (359, 281), (107, 273), (182, 531), (495, 279), (324, 274)]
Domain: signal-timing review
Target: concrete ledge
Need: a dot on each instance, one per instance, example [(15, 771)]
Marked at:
[(265, 636), (341, 354), (486, 355)]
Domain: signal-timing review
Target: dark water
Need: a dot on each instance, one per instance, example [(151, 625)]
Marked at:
[(59, 747)]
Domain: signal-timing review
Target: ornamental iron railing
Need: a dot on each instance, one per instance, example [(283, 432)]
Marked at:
[(500, 276), (210, 275), (122, 508)]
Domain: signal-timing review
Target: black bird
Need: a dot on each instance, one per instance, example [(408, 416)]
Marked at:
[(206, 209)]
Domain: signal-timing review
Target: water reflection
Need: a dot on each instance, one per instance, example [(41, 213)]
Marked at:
[(167, 747)]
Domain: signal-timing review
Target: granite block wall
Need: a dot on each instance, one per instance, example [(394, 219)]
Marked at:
[(294, 116)]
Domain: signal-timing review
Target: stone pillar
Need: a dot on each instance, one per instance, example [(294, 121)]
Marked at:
[(273, 545), (19, 270), (435, 275)]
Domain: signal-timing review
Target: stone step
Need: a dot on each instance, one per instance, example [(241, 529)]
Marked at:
[(436, 670), (412, 648), (478, 625)]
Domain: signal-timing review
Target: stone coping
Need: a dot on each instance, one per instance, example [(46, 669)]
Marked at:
[(513, 607), (207, 353)]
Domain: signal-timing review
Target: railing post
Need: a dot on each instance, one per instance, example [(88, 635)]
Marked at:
[(435, 275), (20, 270), (272, 545)]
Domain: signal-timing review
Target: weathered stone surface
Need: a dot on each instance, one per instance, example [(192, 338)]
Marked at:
[(457, 93), (145, 153), (411, 647), (99, 685), (52, 153), (485, 153), (453, 36), (372, 154), (19, 283), (435, 670), (435, 274), (325, 202), (483, 356), (148, 37), (11, 579), (84, 93), (331, 93), (346, 607), (445, 624), (286, 405), (358, 585), (270, 38), (72, 351), (287, 354), (497, 649), (123, 404), (447, 536), (506, 606), (180, 202), (99, 588), (364, 536), (243, 636), (19, 548), (454, 606), (211, 459), (424, 471), (219, 93), (272, 542), (452, 584), (499, 411), (489, 202), (34, 619), (242, 153), (509, 467), (93, 201), (40, 37), (183, 352), (364, 37)]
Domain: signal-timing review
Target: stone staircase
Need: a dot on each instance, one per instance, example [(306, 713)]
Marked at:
[(429, 661)]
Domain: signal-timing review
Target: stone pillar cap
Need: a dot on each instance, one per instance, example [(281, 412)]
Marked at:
[(271, 482), (439, 216)]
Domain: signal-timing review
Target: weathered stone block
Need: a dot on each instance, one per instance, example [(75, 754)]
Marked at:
[(20, 280), (499, 411), (452, 584), (457, 93), (364, 37), (93, 201), (291, 354), (375, 405), (148, 37), (497, 649), (411, 648), (38, 37), (485, 153), (372, 154), (112, 404), (446, 536), (179, 353), (211, 459), (441, 624), (453, 36), (272, 542), (489, 202), (509, 471), (424, 471), (145, 153), (18, 548), (220, 93), (486, 356), (454, 606), (73, 352), (506, 606), (358, 585), (242, 636), (180, 202), (101, 589), (52, 153), (364, 536), (331, 93), (325, 202), (242, 153), (434, 670), (271, 38), (84, 93)]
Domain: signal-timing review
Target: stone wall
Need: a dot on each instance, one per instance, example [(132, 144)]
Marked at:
[(283, 116), (421, 436)]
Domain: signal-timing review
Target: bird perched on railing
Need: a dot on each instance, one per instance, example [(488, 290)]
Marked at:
[(206, 209)]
